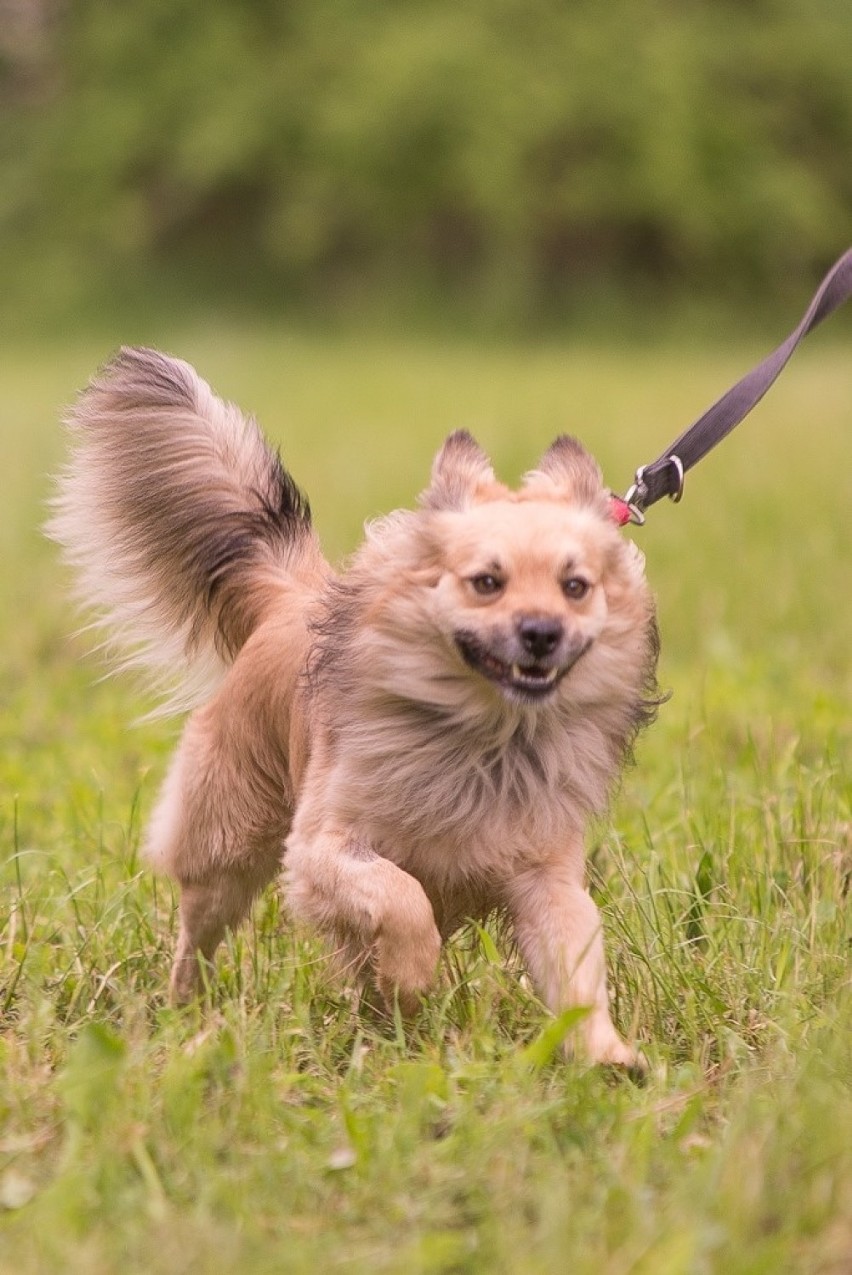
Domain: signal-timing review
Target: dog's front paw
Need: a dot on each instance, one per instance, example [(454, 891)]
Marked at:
[(598, 1042), (625, 1057), (406, 952), (404, 976), (185, 983)]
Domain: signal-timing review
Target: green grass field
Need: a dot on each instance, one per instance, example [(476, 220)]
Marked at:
[(273, 1129)]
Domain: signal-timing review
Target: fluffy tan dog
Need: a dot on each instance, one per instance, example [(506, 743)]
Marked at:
[(418, 740)]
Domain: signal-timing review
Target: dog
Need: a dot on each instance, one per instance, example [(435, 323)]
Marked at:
[(413, 742)]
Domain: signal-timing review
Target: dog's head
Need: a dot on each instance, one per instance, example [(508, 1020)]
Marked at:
[(504, 594), (524, 588)]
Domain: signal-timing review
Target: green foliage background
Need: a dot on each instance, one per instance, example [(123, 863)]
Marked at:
[(513, 157)]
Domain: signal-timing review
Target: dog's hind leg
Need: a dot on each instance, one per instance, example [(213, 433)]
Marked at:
[(219, 862), (219, 825), (558, 930), (207, 911)]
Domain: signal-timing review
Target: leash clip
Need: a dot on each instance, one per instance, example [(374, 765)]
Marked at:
[(635, 497)]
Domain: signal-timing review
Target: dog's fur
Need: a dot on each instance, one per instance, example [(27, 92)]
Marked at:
[(418, 740)]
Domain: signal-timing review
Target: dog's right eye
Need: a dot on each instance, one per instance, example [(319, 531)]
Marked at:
[(486, 585)]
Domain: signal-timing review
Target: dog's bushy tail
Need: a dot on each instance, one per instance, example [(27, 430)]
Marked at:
[(180, 521)]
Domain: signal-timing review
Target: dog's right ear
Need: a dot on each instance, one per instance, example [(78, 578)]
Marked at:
[(460, 470)]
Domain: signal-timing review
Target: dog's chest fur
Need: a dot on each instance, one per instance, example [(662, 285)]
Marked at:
[(461, 803)]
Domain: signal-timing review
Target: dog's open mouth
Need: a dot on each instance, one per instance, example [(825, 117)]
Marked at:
[(534, 681)]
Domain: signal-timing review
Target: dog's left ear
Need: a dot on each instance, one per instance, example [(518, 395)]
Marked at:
[(566, 463), (459, 471)]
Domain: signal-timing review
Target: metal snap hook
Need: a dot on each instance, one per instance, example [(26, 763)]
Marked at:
[(635, 497)]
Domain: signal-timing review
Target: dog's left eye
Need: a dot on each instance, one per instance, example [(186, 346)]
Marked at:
[(575, 588), (486, 585)]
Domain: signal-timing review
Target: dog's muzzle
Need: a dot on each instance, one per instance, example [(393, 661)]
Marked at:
[(532, 679)]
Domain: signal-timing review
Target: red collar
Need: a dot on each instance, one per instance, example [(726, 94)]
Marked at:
[(620, 510)]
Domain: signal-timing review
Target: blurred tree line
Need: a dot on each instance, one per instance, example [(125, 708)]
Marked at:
[(512, 152)]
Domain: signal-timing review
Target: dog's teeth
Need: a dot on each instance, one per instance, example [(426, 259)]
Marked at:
[(530, 675)]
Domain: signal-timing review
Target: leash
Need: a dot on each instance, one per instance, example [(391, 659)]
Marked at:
[(665, 475)]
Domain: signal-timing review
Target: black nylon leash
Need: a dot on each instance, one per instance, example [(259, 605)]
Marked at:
[(664, 476)]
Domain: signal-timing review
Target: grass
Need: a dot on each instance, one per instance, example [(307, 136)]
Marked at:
[(273, 1129)]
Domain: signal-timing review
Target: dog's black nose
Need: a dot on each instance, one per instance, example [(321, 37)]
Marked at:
[(539, 634)]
